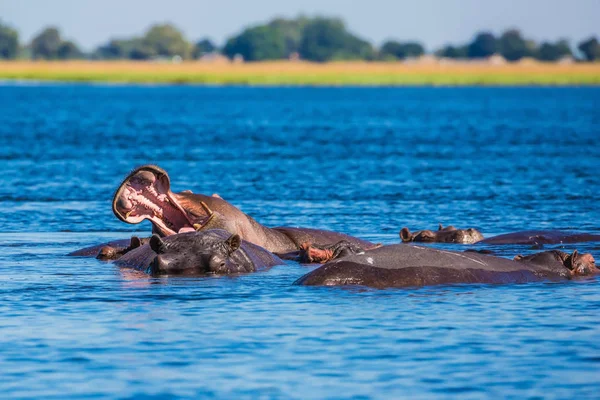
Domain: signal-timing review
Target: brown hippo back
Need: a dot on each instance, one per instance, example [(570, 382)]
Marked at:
[(405, 265)]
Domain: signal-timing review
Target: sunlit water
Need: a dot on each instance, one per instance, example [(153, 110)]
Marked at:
[(362, 161)]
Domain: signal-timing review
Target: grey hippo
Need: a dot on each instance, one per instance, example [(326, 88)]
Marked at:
[(405, 265), (451, 234), (213, 251)]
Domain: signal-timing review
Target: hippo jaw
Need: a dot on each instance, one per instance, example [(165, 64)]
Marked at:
[(146, 194)]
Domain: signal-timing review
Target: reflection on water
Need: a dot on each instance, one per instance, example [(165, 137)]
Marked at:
[(362, 161)]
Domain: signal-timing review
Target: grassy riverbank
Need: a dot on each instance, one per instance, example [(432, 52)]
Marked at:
[(300, 73)]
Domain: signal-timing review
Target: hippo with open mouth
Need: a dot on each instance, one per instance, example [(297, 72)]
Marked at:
[(208, 252), (404, 265), (146, 194)]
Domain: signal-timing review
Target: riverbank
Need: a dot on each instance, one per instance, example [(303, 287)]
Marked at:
[(301, 73)]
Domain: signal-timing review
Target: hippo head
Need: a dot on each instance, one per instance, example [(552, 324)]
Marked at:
[(146, 194), (443, 235), (581, 264), (112, 252), (577, 264), (196, 253)]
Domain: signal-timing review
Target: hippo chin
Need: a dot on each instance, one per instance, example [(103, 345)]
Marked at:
[(146, 194), (210, 252), (448, 234), (412, 266)]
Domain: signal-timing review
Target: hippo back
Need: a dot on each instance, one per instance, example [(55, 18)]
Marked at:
[(406, 265), (320, 237), (92, 251), (541, 237), (139, 258)]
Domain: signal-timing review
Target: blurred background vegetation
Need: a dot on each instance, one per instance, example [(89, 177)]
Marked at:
[(317, 39)]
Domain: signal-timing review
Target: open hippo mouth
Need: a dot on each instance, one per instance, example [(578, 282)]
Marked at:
[(146, 194)]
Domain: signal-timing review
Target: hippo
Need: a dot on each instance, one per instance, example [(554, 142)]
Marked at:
[(111, 250), (541, 238), (209, 252), (448, 234), (404, 265), (471, 236), (146, 194)]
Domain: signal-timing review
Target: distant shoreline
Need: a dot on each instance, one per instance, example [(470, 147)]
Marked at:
[(288, 73)]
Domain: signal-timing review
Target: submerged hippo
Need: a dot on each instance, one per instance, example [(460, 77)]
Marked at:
[(213, 251), (542, 237), (471, 236), (404, 265), (111, 250), (146, 194), (448, 234)]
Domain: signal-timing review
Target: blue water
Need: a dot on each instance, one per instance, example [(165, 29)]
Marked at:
[(361, 161)]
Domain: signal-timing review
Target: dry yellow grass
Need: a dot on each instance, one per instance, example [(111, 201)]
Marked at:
[(302, 73)]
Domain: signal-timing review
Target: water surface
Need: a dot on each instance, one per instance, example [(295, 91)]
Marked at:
[(362, 161)]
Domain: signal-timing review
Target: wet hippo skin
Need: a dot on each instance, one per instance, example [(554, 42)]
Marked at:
[(408, 266), (541, 237), (448, 234), (213, 251), (146, 194)]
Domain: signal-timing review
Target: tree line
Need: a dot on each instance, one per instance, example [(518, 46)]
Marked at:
[(317, 39)]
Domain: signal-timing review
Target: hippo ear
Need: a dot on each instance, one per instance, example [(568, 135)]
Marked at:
[(405, 235), (157, 245), (233, 243), (440, 227), (574, 257), (135, 242)]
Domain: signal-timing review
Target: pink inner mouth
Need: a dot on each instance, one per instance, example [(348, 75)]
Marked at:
[(147, 196)]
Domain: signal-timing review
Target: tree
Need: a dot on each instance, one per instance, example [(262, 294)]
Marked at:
[(291, 30), (277, 39), (68, 51), (203, 46), (166, 41), (256, 44), (483, 46), (9, 42), (590, 49), (141, 50), (393, 49), (513, 47), (159, 41), (554, 51), (326, 39), (45, 45), (115, 49), (453, 52)]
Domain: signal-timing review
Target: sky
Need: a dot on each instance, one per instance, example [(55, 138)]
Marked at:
[(432, 22)]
